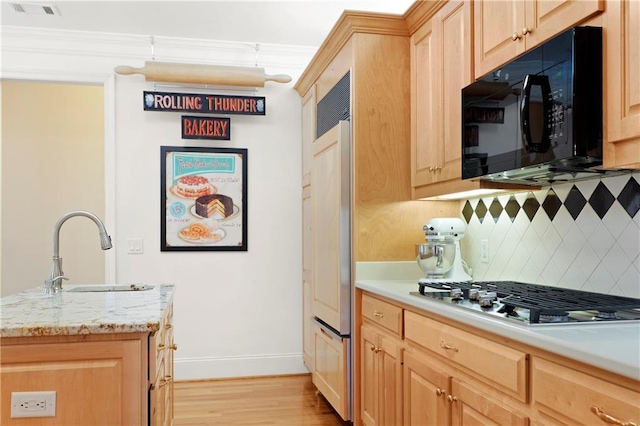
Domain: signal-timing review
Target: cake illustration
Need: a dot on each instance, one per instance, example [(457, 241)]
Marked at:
[(212, 204), (193, 186)]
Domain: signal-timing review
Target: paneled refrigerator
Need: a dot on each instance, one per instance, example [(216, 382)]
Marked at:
[(331, 256)]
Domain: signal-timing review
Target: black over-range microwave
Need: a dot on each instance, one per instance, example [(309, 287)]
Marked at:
[(538, 119)]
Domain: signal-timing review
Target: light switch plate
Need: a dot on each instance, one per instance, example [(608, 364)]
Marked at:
[(135, 245)]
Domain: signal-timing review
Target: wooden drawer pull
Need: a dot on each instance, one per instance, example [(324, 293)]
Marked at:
[(447, 347), (378, 314), (439, 392), (609, 419), (173, 347), (452, 399)]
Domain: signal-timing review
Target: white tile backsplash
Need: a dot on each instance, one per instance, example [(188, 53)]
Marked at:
[(588, 253)]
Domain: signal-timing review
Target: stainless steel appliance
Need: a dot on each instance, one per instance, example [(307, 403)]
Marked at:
[(440, 258), (532, 304), (538, 119)]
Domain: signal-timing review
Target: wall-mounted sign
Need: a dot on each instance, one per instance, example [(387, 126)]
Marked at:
[(205, 104), (213, 128), (484, 115)]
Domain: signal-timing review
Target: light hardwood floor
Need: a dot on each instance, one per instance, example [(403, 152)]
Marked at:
[(281, 400)]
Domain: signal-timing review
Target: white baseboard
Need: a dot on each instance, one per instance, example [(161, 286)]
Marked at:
[(238, 366)]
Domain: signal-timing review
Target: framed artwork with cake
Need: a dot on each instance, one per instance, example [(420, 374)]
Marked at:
[(203, 199)]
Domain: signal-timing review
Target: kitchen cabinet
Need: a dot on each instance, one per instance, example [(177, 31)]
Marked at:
[(381, 342), (570, 396), (308, 136), (370, 51), (330, 222), (481, 357), (441, 66), (105, 369), (102, 382), (330, 368), (454, 373), (506, 29), (161, 354), (622, 84), (433, 396)]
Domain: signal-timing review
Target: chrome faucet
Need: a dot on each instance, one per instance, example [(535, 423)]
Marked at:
[(54, 282)]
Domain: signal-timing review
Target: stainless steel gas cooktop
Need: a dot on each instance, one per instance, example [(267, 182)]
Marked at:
[(532, 304)]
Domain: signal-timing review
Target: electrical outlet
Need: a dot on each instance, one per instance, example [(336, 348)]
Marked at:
[(33, 404), (135, 245), (484, 251)]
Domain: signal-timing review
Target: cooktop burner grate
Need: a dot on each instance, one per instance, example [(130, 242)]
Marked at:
[(540, 300)]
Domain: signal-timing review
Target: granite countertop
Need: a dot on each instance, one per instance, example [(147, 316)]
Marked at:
[(31, 313), (613, 346)]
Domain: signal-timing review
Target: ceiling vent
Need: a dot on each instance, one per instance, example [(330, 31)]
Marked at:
[(35, 9)]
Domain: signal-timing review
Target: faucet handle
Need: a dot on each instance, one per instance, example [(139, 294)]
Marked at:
[(48, 283)]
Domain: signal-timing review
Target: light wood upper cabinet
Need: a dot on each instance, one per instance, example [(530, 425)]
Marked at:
[(506, 29), (441, 66), (622, 84)]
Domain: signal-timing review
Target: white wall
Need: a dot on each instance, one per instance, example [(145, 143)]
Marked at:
[(236, 313), (49, 169)]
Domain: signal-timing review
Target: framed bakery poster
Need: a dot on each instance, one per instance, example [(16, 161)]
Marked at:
[(204, 199)]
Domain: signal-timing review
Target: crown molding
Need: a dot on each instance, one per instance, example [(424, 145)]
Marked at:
[(27, 51)]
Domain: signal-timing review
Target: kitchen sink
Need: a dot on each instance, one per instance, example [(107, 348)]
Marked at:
[(111, 287)]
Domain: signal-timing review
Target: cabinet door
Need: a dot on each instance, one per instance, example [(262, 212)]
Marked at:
[(452, 24), (369, 387), (622, 85), (330, 219), (390, 380), (441, 67), (505, 29), (471, 406), (497, 38), (96, 383), (426, 133), (425, 392), (307, 280)]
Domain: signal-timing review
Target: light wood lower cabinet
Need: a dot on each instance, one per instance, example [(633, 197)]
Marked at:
[(109, 379), (96, 382), (330, 369), (573, 397), (382, 375), (161, 354), (455, 374), (435, 397)]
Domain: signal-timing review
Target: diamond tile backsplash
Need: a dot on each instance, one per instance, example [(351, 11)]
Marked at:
[(583, 235)]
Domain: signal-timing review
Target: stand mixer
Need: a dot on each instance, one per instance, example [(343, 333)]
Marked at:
[(440, 258)]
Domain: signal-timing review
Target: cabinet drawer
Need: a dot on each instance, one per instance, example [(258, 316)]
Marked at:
[(581, 399), (498, 365), (330, 369), (382, 313)]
